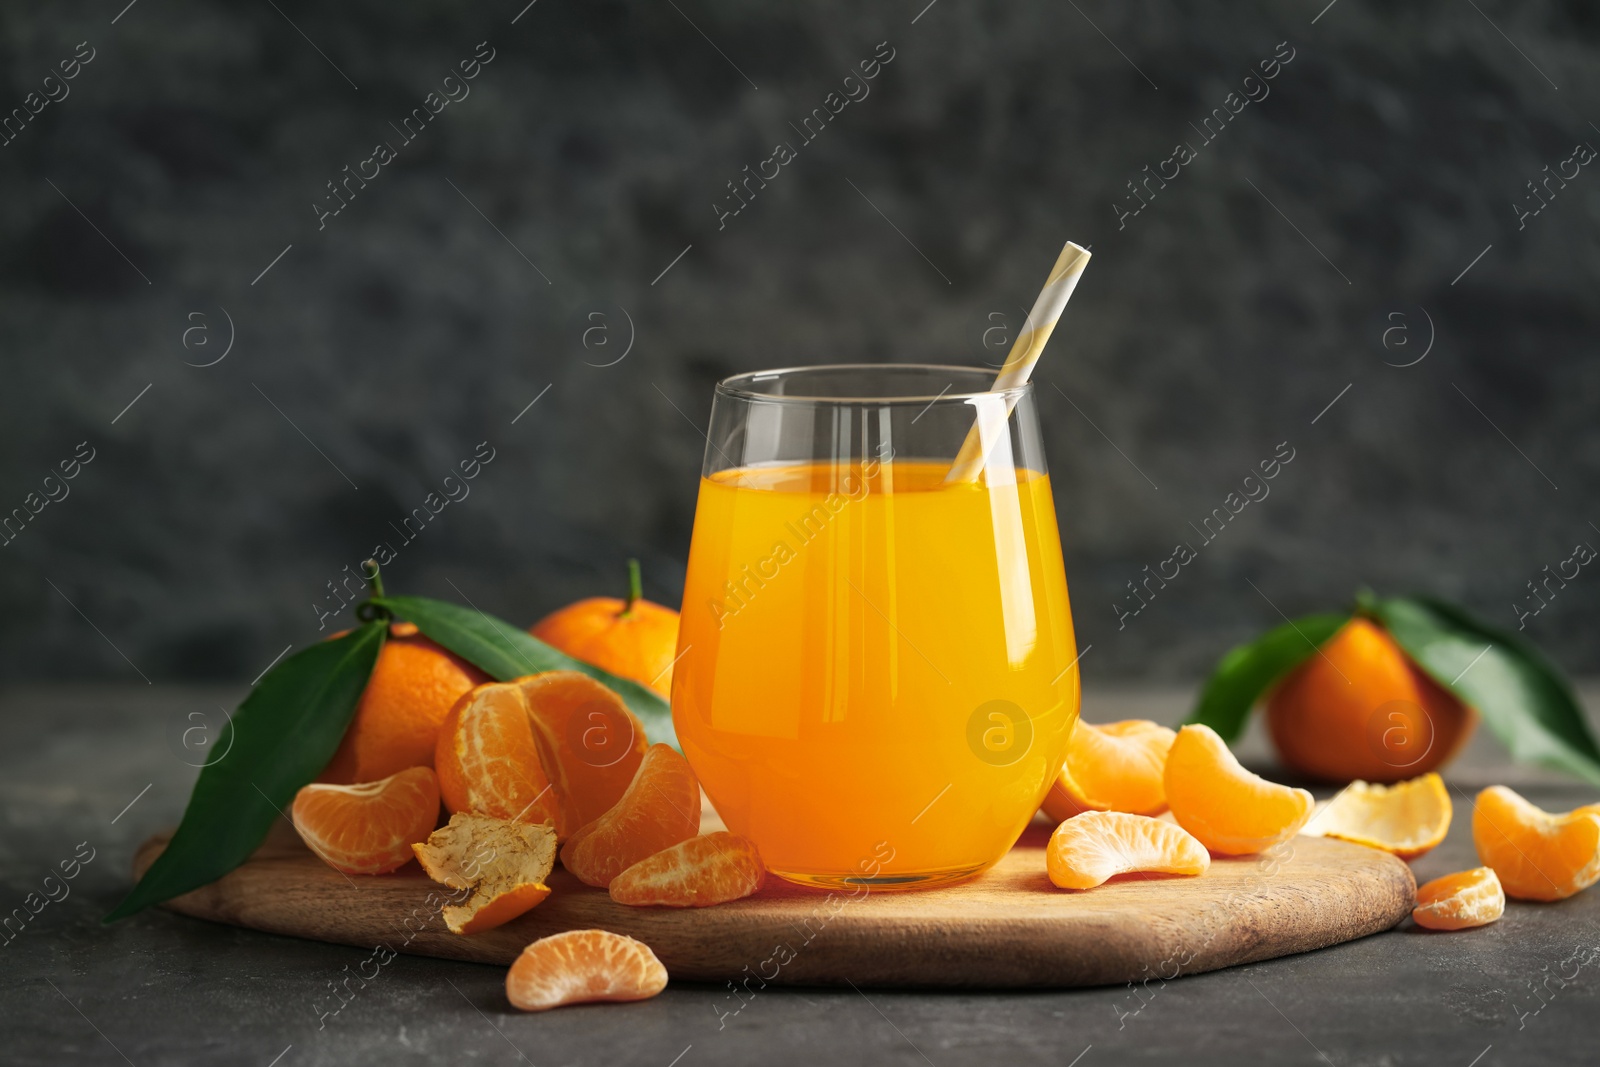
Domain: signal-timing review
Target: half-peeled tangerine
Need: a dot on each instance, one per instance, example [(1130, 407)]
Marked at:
[(556, 747)]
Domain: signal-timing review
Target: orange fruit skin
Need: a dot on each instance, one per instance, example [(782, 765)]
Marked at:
[(1088, 849), (578, 966), (699, 872), (1407, 819), (1117, 766), (367, 828), (660, 808), (1461, 900), (505, 907), (1363, 709), (412, 687), (639, 645), (555, 747), (1537, 855), (1232, 811), (503, 863)]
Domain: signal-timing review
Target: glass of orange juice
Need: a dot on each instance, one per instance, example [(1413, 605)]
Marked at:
[(877, 673)]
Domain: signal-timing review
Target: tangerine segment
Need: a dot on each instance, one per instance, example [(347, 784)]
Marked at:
[(590, 744), (1114, 767), (699, 872), (1536, 854), (367, 828), (583, 965), (1460, 900), (1087, 849), (660, 808), (1406, 819), (488, 760), (503, 863), (1232, 811), (412, 687)]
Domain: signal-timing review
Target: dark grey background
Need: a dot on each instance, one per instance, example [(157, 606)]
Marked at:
[(1222, 320)]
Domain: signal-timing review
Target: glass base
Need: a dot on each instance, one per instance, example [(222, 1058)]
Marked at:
[(854, 883)]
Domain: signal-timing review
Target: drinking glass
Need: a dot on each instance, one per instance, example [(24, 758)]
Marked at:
[(878, 673)]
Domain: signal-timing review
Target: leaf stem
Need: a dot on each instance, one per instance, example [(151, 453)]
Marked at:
[(635, 588), (368, 611), (374, 579)]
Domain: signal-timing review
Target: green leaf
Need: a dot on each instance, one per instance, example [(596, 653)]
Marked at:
[(1520, 694), (284, 733), (504, 652), (1248, 671)]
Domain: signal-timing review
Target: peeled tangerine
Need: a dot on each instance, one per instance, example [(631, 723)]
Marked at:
[(1087, 849), (1406, 819), (1231, 811), (1537, 855), (660, 808), (583, 965), (556, 747), (367, 828), (504, 863), (1114, 767), (1460, 900), (696, 873)]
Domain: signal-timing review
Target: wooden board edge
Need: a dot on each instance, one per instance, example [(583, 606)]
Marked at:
[(1016, 953)]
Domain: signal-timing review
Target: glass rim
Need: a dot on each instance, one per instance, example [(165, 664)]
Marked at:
[(732, 386)]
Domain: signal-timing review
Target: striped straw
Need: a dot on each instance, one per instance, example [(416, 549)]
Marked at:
[(1019, 363)]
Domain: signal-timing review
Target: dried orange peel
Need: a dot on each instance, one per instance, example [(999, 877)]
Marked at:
[(578, 966), (1117, 766), (1407, 818), (1461, 900), (503, 863), (1232, 811), (1536, 854), (712, 869), (1088, 849)]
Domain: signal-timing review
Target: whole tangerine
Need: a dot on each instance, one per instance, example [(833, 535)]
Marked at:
[(396, 725), (1360, 708), (633, 638)]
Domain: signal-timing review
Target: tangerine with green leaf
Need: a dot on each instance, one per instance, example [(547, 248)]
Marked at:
[(1360, 708), (1393, 688), (396, 724), (633, 638)]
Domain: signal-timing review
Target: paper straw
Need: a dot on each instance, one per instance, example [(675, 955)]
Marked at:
[(1019, 363)]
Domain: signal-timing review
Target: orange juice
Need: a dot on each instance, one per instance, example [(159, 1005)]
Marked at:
[(878, 673)]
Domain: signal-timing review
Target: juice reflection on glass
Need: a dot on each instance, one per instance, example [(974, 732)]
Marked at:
[(878, 671)]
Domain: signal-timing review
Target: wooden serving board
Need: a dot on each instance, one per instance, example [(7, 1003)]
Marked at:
[(1008, 928)]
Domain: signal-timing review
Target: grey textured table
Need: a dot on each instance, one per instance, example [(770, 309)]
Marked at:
[(160, 989)]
